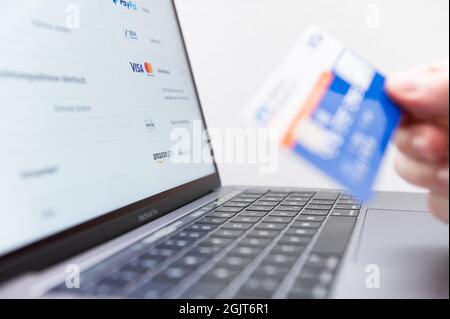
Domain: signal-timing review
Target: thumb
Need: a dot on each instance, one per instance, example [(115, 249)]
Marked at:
[(422, 92)]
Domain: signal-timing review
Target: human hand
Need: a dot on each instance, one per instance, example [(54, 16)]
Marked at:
[(423, 139)]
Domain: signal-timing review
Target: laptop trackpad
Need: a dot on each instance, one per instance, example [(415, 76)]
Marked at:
[(411, 250)]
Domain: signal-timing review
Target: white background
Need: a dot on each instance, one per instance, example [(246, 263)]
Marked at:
[(234, 46)]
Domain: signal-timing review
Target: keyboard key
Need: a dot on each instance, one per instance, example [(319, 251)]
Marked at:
[(302, 194), (245, 252), (260, 208), (252, 214), (182, 241), (207, 251), (290, 208), (159, 253), (192, 260), (246, 219), (203, 290), (235, 262), (348, 207), (221, 275), (217, 242), (349, 202), (283, 213), (301, 232), (270, 271), (302, 292), (258, 242), (243, 200), (293, 203), (294, 240), (237, 226), (291, 250), (236, 204), (334, 236), (314, 282), (279, 260), (311, 225), (212, 220), (316, 289), (266, 203), (345, 213), (277, 219), (322, 202), (323, 261), (277, 194), (250, 196), (191, 234), (126, 276), (275, 200), (260, 233), (222, 215), (176, 245), (312, 272), (173, 275), (298, 292), (111, 284), (202, 227), (318, 207), (229, 209), (321, 275), (135, 268), (227, 233), (327, 196), (315, 212), (257, 288), (305, 218), (271, 226), (298, 199), (151, 290)]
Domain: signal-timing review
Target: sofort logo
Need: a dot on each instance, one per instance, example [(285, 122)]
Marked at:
[(142, 68)]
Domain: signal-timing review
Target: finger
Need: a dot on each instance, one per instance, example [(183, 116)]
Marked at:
[(424, 143), (432, 177), (439, 206), (423, 91)]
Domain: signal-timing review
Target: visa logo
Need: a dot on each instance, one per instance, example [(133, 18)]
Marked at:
[(130, 5), (137, 67), (146, 68)]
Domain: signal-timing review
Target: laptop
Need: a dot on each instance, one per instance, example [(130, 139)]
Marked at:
[(92, 205)]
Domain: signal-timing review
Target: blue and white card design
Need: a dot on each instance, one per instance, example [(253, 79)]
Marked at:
[(331, 109)]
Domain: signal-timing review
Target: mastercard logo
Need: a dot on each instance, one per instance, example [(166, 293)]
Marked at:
[(148, 67)]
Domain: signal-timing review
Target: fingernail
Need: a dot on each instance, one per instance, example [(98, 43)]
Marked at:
[(442, 176), (419, 142), (403, 82), (401, 138)]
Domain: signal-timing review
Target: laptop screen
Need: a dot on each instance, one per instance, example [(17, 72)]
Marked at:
[(91, 93)]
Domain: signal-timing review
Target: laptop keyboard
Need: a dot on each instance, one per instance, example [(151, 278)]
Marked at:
[(259, 244)]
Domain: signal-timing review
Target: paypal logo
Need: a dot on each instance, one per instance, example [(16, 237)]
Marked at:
[(130, 5)]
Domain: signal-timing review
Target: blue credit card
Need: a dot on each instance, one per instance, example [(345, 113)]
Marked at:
[(360, 144), (330, 108)]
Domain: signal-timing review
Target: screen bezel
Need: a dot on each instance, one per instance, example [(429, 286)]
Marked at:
[(56, 248)]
